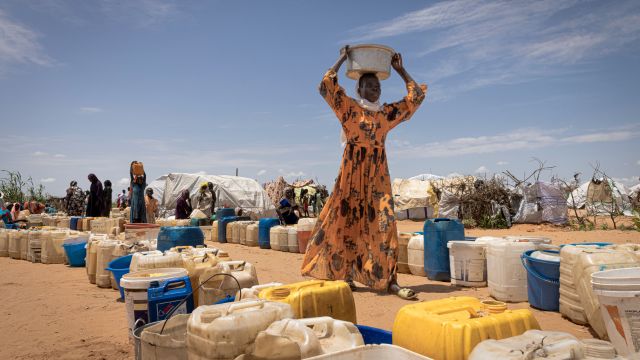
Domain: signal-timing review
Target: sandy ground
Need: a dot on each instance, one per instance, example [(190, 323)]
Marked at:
[(52, 312)]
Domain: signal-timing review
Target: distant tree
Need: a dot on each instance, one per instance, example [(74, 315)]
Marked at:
[(16, 189)]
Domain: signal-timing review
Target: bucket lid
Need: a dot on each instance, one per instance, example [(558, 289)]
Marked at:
[(142, 279), (625, 279), (553, 256)]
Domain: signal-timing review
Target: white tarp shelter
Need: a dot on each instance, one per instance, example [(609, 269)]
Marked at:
[(634, 195), (601, 197), (231, 191), (158, 187), (413, 199), (541, 202)]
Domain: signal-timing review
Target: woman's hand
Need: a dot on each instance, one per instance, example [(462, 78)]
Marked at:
[(396, 62), (344, 52)]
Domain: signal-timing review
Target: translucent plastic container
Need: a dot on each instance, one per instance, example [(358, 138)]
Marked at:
[(468, 263), (233, 232), (92, 256), (242, 229), (403, 256), (305, 227), (506, 276), (4, 243), (52, 250), (104, 251), (278, 238), (24, 245), (292, 239), (214, 231), (225, 331), (14, 241), (315, 298), (590, 261), (415, 255), (450, 328), (539, 345), (219, 287), (290, 338), (155, 259), (373, 352), (35, 245), (165, 340), (252, 235)]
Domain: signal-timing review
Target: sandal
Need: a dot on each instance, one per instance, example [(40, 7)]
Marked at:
[(352, 285), (407, 294)]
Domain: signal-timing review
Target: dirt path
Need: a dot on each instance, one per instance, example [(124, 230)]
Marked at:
[(51, 311)]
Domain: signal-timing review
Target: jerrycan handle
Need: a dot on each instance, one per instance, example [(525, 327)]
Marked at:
[(323, 320), (266, 286), (441, 219), (245, 305), (469, 309), (235, 264), (166, 284), (312, 283)]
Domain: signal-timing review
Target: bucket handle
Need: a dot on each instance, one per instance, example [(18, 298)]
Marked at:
[(235, 264), (533, 272)]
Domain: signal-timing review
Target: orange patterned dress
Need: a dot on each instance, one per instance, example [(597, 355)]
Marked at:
[(356, 231)]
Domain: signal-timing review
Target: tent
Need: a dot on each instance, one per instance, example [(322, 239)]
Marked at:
[(231, 191), (601, 197), (541, 202), (158, 187), (413, 199)]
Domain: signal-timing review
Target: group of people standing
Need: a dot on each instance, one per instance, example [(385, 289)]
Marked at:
[(290, 210), (95, 202)]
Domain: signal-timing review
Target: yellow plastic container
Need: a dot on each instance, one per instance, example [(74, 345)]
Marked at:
[(315, 298), (449, 329)]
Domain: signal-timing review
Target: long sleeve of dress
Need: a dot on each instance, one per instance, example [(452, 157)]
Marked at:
[(402, 110), (335, 96)]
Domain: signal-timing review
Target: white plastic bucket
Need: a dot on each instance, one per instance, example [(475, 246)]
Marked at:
[(369, 58), (468, 263), (618, 291), (136, 284)]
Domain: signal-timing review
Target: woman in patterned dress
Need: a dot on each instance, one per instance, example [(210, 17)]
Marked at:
[(355, 237)]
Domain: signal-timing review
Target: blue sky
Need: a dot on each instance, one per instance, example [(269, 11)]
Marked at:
[(186, 86)]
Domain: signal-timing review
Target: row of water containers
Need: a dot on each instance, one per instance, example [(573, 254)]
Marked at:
[(39, 246), (266, 233)]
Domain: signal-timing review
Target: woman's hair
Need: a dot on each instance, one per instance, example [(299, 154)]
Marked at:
[(107, 183), (73, 183)]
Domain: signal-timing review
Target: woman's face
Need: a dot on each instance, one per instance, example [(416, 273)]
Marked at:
[(370, 88)]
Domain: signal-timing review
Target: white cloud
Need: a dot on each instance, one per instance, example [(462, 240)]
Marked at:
[(19, 45), (60, 156), (124, 182), (482, 170), (519, 139), (262, 172), (47, 180), (502, 163), (90, 110), (495, 42), (40, 153)]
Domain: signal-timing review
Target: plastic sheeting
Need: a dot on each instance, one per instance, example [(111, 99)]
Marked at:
[(601, 198), (408, 194), (449, 205), (231, 191), (541, 202)]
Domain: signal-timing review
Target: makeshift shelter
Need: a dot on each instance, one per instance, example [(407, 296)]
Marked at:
[(231, 191), (413, 199), (158, 187), (541, 202), (601, 197)]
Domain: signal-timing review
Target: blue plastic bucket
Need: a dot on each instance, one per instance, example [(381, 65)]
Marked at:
[(546, 268), (119, 267), (373, 336), (76, 253), (543, 293)]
